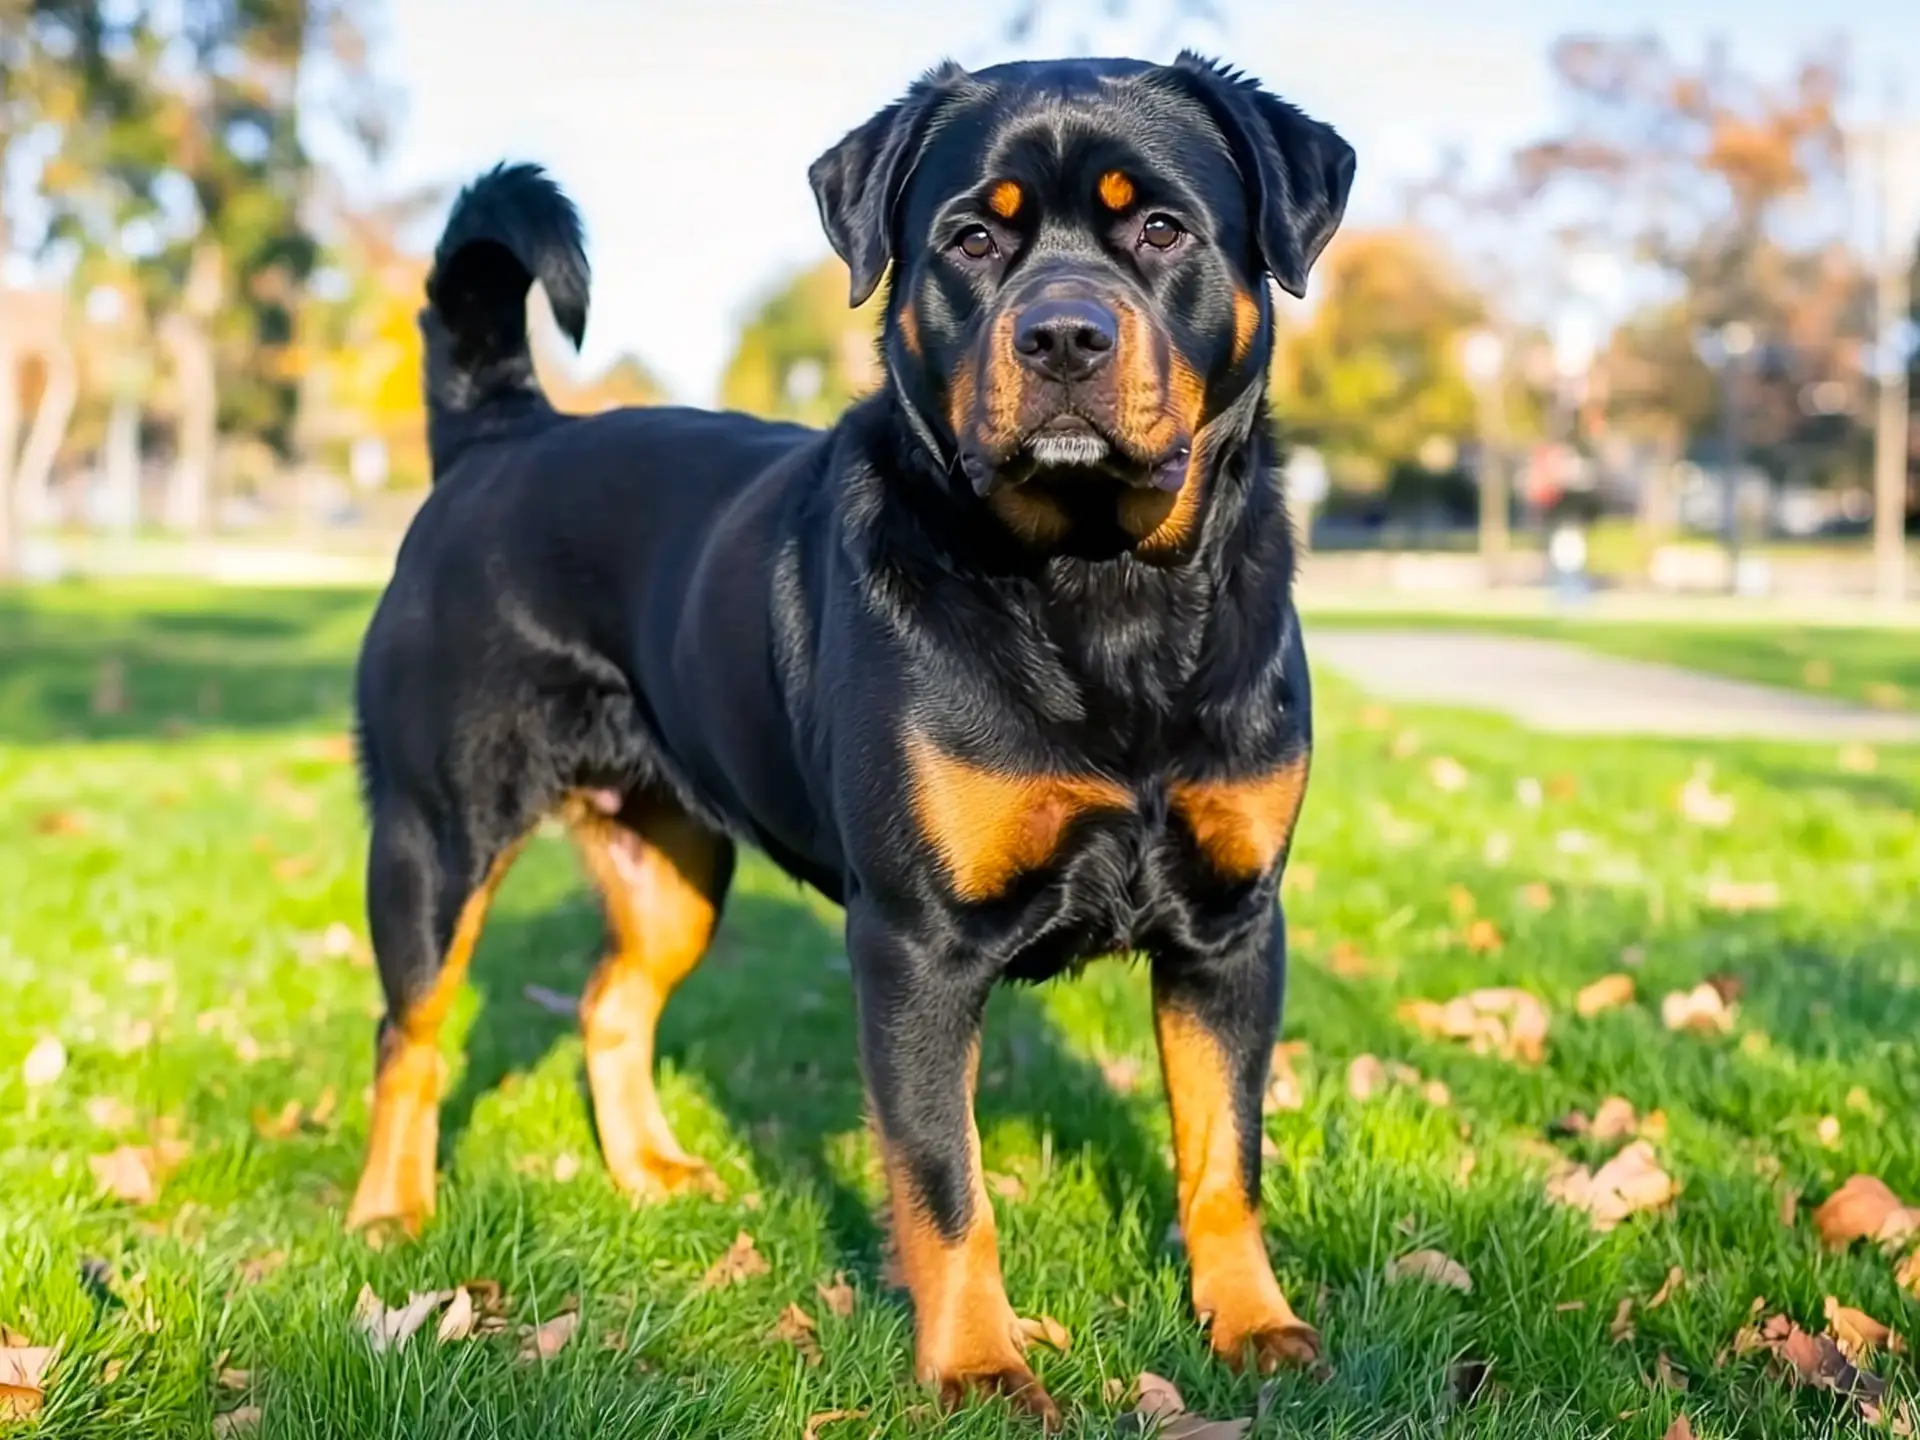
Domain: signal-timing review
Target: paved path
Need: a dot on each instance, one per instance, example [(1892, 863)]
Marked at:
[(1551, 685)]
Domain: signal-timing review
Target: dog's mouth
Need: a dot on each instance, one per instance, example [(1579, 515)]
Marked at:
[(1070, 451)]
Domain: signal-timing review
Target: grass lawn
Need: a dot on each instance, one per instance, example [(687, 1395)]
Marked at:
[(1873, 666), (180, 906)]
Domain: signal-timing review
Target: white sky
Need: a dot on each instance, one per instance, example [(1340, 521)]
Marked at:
[(684, 130)]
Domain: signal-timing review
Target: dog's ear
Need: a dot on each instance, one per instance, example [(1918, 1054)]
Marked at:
[(1297, 170), (858, 183)]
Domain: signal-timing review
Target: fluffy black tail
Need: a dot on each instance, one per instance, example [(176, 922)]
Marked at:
[(509, 228)]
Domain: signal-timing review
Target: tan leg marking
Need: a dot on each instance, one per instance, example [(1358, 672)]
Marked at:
[(1243, 826), (1234, 1291)]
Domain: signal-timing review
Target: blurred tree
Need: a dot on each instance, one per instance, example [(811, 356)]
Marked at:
[(804, 355), (1733, 191), (1374, 373)]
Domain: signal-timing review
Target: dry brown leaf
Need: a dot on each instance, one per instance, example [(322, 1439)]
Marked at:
[(1858, 759), (1537, 895), (390, 1327), (1630, 1182), (1865, 1209), (258, 1267), (1366, 1077), (1614, 1120), (1432, 1266), (837, 1295), (278, 1126), (1676, 1277), (230, 1377), (1667, 1375), (819, 1419), (1507, 1022), (1857, 1333), (796, 1327), (1460, 902), (1907, 1276), (1483, 937), (550, 1337), (1046, 1331), (1789, 1207), (109, 1113), (134, 1173), (741, 1262), (234, 1423), (62, 822), (1160, 1411), (1122, 1073), (1815, 1360), (1284, 1090), (23, 1375), (1700, 803), (1007, 1187), (1447, 774), (1740, 896), (1620, 1328), (1157, 1395), (1700, 1010), (46, 1062), (1346, 960), (1827, 1132), (457, 1323), (1681, 1429), (1609, 992)]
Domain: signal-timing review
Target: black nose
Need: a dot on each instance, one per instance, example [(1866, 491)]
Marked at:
[(1065, 339)]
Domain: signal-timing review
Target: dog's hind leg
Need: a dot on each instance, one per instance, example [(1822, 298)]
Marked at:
[(663, 876), (427, 899)]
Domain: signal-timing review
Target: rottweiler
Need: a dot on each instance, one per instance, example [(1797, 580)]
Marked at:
[(1006, 662)]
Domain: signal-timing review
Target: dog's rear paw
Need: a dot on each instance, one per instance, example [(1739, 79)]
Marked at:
[(1290, 1345)]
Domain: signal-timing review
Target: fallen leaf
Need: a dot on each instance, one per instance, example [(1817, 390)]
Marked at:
[(1828, 1131), (457, 1323), (1157, 1395), (1460, 902), (230, 1377), (1700, 1010), (1569, 1307), (837, 1295), (1669, 1376), (278, 1126), (1366, 1076), (390, 1327), (1007, 1187), (1447, 774), (1865, 1209), (741, 1262), (1609, 992), (62, 822), (1537, 895), (1700, 803), (1631, 1181), (1858, 759), (1160, 1412), (243, 1421), (1284, 1090), (796, 1327), (1614, 1120), (1436, 1094), (1789, 1207), (1740, 896), (256, 1269), (1676, 1277), (1681, 1429), (1347, 961), (134, 1173), (109, 1113), (1907, 1276), (1483, 937), (1122, 1073), (23, 1375), (827, 1417), (1047, 1331), (566, 1167), (1507, 1022), (45, 1063), (1857, 1333), (1620, 1328), (1433, 1267), (547, 1339)]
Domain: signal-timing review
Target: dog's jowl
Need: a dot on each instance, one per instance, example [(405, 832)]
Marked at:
[(1006, 662)]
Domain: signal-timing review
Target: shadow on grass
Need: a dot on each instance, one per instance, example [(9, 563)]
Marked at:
[(767, 1025), (78, 664)]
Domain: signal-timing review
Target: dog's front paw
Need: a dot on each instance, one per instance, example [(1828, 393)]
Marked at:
[(1013, 1380), (1290, 1344), (653, 1176)]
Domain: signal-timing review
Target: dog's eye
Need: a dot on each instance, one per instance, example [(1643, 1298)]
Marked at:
[(974, 242), (1162, 232)]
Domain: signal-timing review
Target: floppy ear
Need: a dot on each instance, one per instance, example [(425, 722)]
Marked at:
[(858, 182), (1297, 170)]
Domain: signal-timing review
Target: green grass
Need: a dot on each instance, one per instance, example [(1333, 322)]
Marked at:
[(167, 871), (1874, 666)]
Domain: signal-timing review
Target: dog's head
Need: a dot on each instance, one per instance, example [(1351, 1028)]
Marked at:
[(1079, 253)]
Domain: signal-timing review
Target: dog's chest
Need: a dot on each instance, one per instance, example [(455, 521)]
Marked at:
[(991, 830)]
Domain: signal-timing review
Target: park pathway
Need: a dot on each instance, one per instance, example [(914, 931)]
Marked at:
[(1553, 685)]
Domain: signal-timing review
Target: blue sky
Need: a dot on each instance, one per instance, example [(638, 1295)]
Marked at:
[(684, 128)]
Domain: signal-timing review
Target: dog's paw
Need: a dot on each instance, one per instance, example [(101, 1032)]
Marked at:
[(1287, 1344), (1014, 1381), (655, 1177)]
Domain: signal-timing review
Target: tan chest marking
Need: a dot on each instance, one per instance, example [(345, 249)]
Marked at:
[(1243, 826), (989, 827)]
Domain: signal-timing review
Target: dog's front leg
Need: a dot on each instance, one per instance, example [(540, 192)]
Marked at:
[(1216, 1016), (919, 1016)]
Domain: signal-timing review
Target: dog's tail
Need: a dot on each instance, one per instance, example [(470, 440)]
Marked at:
[(510, 227)]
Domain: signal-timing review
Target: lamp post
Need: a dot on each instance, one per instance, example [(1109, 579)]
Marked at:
[(1723, 350), (1482, 356)]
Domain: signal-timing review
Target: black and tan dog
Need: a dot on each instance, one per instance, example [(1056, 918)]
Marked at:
[(1006, 662)]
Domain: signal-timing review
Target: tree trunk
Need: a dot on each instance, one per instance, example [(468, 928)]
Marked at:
[(187, 335), (122, 464), (33, 479), (9, 435)]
